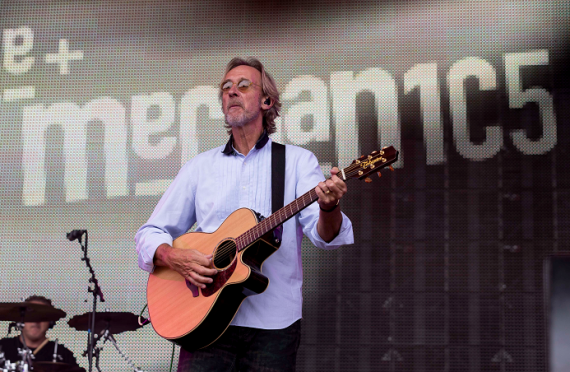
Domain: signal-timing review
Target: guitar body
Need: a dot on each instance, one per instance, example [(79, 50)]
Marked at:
[(193, 319)]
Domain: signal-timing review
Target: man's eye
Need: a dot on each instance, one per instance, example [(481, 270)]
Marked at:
[(227, 85)]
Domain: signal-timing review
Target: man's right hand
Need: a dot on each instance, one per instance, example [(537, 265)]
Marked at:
[(193, 265)]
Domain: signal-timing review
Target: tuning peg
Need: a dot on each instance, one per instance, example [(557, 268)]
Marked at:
[(379, 174), (392, 169), (367, 180)]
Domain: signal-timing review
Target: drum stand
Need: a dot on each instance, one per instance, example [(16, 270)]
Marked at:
[(109, 336), (26, 355), (8, 367), (5, 365)]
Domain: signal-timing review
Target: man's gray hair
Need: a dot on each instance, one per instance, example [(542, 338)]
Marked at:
[(268, 87)]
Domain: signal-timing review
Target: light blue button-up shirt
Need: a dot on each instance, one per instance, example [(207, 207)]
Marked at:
[(214, 184)]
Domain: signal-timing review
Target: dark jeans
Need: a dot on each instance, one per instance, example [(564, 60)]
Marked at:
[(242, 349)]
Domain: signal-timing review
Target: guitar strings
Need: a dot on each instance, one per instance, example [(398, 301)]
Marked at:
[(225, 250), (282, 214)]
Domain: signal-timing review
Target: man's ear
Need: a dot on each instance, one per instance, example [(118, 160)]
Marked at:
[(266, 103)]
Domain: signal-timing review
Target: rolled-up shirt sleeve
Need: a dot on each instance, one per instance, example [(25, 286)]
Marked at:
[(173, 216), (309, 174)]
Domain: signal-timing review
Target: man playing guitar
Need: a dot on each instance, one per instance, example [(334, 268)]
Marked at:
[(264, 334)]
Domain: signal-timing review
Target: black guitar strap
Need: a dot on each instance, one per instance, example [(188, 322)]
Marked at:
[(277, 176)]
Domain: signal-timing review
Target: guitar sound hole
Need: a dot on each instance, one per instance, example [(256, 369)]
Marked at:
[(225, 254)]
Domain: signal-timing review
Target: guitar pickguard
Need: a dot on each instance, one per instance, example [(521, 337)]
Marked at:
[(220, 279)]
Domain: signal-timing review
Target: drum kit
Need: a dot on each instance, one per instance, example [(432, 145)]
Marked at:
[(106, 323)]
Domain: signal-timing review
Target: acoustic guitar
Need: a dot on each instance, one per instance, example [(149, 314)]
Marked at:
[(193, 317)]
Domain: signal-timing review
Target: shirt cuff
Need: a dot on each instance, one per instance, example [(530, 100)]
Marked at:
[(148, 248), (345, 235)]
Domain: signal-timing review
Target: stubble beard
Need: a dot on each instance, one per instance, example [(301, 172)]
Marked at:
[(238, 120)]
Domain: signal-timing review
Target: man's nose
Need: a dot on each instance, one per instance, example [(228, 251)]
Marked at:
[(233, 91)]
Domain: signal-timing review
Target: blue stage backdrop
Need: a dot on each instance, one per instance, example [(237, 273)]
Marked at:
[(101, 102)]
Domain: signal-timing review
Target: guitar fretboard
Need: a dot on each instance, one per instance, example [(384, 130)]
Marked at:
[(276, 219), (358, 169)]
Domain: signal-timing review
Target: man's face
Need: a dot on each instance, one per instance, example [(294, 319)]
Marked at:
[(35, 331), (239, 107)]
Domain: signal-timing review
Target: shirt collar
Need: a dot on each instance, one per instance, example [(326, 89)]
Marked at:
[(229, 148)]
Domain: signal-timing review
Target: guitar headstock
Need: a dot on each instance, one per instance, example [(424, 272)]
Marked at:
[(363, 166)]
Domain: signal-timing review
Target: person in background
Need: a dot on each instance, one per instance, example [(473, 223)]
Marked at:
[(35, 334)]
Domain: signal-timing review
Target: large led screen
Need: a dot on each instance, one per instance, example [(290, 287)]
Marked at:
[(102, 102)]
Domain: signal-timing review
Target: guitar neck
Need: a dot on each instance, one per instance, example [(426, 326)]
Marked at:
[(359, 169), (278, 218)]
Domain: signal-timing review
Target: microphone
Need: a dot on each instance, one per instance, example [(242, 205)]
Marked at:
[(75, 234)]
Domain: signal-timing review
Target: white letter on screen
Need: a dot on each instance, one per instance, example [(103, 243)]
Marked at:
[(191, 101), (344, 89), (13, 50), (144, 128), (459, 72), (36, 120), (317, 107), (519, 97), (424, 76), (112, 113)]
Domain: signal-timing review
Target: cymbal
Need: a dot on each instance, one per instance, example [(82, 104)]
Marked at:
[(29, 312), (56, 367), (116, 322)]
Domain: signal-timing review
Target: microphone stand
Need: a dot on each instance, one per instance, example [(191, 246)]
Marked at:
[(96, 290)]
